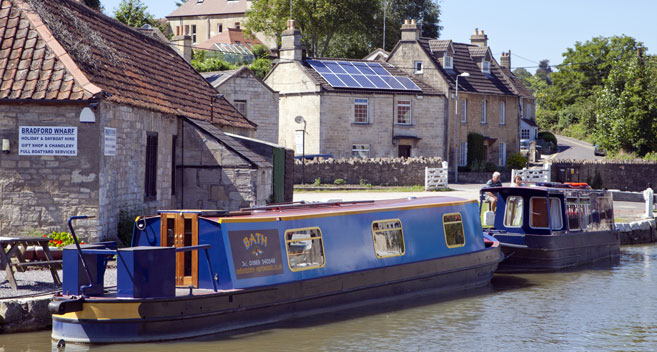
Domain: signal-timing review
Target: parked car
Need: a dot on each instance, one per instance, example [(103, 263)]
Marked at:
[(599, 151)]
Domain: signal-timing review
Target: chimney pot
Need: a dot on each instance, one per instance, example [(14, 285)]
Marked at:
[(413, 22), (476, 31), (406, 21)]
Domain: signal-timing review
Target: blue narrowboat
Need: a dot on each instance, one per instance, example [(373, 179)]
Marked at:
[(192, 273), (552, 226)]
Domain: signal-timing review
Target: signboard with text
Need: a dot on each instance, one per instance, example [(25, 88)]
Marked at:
[(298, 139), (110, 141), (256, 253), (48, 140)]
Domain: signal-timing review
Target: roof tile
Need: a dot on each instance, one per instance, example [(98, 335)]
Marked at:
[(102, 54)]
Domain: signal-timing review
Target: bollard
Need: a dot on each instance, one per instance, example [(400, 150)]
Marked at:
[(648, 197)]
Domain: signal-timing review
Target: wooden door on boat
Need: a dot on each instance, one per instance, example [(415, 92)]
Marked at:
[(181, 230)]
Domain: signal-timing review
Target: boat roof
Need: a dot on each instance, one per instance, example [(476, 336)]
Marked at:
[(295, 211), (545, 187)]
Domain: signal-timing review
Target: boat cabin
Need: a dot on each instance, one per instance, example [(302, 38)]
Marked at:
[(572, 208)]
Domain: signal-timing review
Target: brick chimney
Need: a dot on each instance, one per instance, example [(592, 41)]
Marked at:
[(479, 38), (291, 43), (505, 60), (183, 44), (410, 31)]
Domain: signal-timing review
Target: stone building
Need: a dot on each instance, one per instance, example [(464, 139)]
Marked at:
[(345, 118), (203, 20), (96, 118), (491, 99), (251, 97)]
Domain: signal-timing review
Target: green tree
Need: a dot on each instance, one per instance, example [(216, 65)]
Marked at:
[(346, 28), (626, 108), (94, 4), (134, 13)]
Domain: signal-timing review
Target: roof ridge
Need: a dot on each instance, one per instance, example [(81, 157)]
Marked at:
[(57, 49)]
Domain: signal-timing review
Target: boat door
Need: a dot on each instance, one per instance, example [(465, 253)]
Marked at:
[(181, 230)]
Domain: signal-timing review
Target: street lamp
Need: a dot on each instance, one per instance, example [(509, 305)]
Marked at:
[(456, 111), (300, 119)]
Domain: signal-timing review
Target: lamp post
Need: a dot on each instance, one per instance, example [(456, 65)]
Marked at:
[(300, 119), (456, 128)]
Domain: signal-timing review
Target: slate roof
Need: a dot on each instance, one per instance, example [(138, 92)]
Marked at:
[(436, 45), (209, 7), (62, 50), (426, 89), (229, 36), (478, 82), (216, 78), (230, 143)]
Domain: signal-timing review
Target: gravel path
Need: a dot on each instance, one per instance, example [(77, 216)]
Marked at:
[(39, 281)]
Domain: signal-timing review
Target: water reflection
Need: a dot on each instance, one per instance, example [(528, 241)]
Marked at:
[(600, 308)]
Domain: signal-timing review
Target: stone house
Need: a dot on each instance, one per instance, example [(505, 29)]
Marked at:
[(98, 119), (345, 118), (203, 20), (491, 100), (251, 97)]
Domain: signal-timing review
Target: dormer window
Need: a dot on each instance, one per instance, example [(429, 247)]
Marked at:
[(419, 67), (485, 66), (448, 61)]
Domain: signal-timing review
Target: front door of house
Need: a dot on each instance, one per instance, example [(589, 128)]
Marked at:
[(404, 151), (181, 230)]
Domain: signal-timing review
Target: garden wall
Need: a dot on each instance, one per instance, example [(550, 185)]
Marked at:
[(377, 171), (632, 175)]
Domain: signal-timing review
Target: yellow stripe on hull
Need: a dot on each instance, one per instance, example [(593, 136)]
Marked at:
[(104, 311)]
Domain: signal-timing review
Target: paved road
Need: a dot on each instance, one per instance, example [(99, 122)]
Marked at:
[(570, 148)]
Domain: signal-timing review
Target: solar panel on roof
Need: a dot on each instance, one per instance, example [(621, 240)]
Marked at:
[(407, 83), (356, 74)]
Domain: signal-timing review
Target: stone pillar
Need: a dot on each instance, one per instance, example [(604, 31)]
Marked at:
[(291, 43), (410, 31), (479, 38), (183, 44)]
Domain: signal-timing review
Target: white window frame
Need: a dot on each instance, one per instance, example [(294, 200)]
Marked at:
[(357, 149), (484, 118), (485, 66), (463, 154), (464, 110), (241, 102), (502, 113), (418, 67), (502, 154), (448, 61), (410, 112), (362, 102), (525, 133)]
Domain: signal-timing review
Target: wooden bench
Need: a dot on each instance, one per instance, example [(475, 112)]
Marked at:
[(41, 263), (14, 247)]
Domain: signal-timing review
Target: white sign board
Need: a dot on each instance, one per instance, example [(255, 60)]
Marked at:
[(110, 141), (48, 140), (299, 141)]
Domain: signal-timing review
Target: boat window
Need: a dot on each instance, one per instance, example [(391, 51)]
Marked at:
[(304, 248), (513, 212), (388, 238), (453, 227), (572, 212), (586, 220), (606, 212), (538, 213)]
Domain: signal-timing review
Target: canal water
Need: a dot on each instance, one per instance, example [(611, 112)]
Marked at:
[(608, 308)]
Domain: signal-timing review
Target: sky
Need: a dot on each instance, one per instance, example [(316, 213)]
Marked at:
[(532, 30)]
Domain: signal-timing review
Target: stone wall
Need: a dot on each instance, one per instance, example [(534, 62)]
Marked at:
[(378, 171), (214, 177), (39, 193), (623, 175), (121, 185), (261, 102)]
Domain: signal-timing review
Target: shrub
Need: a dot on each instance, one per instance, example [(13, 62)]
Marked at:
[(339, 181), (260, 67), (60, 239), (490, 167), (318, 181), (260, 51), (126, 225), (548, 137), (516, 161)]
